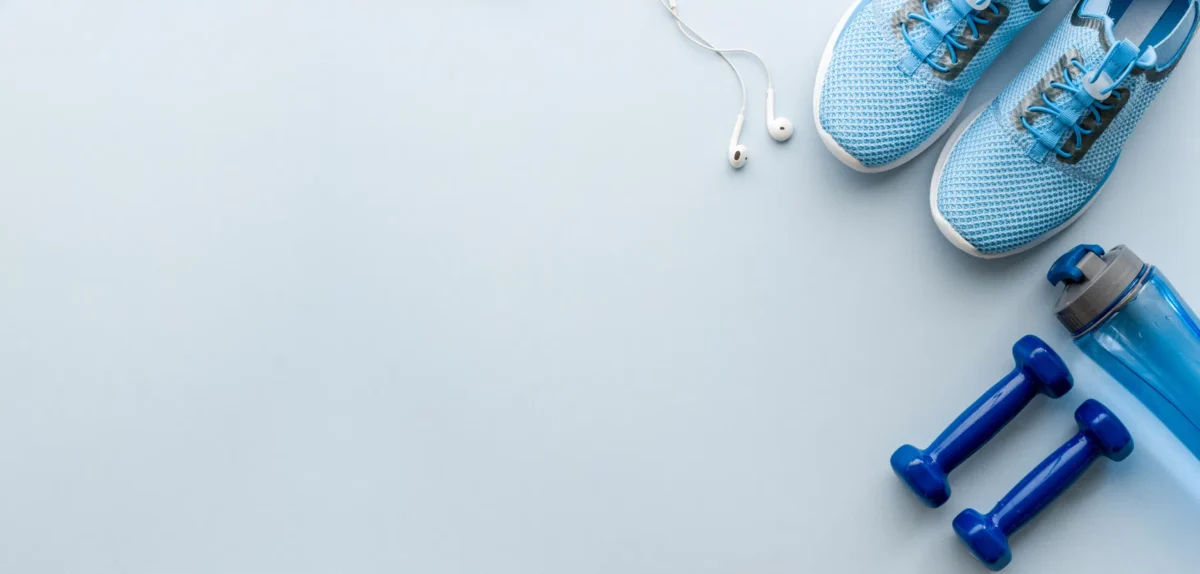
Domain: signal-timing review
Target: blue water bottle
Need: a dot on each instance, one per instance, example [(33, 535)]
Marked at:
[(1128, 318)]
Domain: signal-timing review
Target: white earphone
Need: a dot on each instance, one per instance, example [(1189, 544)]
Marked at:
[(780, 128), (737, 151)]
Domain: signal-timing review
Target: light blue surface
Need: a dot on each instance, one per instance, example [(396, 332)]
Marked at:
[(469, 287)]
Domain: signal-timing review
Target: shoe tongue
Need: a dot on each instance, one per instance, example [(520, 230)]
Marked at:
[(1122, 55), (1112, 68), (1099, 43)]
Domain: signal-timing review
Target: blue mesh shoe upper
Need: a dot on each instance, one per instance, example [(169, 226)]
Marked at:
[(1039, 153), (895, 77)]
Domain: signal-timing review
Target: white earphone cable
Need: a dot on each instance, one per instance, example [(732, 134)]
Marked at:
[(704, 44), (699, 40), (741, 81)]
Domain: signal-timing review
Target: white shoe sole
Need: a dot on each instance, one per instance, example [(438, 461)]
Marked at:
[(832, 144), (957, 239)]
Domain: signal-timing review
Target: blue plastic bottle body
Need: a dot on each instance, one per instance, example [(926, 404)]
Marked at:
[(1152, 346)]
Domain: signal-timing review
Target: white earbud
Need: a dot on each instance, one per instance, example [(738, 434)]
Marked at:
[(737, 151), (781, 128)]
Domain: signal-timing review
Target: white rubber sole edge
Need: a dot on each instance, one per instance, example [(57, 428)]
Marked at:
[(832, 144), (948, 230)]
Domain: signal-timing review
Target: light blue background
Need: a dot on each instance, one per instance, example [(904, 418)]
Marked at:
[(468, 287)]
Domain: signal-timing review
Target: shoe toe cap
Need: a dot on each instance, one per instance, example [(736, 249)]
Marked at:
[(872, 111), (992, 199)]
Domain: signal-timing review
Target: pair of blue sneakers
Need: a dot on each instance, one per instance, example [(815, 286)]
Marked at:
[(896, 74)]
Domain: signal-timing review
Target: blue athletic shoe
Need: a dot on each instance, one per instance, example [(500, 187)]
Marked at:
[(895, 73), (1028, 165)]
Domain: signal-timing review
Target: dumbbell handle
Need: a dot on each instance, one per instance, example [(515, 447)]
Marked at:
[(1039, 488), (982, 420)]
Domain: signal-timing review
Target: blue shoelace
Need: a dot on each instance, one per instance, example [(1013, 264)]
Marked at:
[(1073, 86), (942, 27)]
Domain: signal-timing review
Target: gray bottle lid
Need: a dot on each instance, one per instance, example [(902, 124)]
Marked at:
[(1097, 283)]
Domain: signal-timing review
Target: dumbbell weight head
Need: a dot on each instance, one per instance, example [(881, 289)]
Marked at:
[(1038, 361), (1111, 436), (923, 477), (986, 541)]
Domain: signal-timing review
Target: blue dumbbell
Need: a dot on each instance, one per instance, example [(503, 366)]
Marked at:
[(1039, 370), (1100, 433)]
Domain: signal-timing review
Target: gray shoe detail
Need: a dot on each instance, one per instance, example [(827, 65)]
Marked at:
[(974, 45), (1117, 99), (900, 17), (1034, 96), (1094, 23), (1153, 75)]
